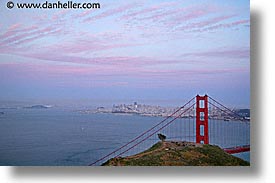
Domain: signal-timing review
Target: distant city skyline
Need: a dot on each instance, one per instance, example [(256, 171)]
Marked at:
[(152, 52)]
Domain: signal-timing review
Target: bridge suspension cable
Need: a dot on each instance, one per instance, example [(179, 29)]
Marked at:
[(146, 132), (157, 130), (232, 131), (224, 108)]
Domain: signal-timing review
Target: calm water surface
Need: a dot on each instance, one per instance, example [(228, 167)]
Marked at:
[(64, 137)]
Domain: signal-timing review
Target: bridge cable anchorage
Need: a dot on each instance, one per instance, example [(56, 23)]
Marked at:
[(165, 119)]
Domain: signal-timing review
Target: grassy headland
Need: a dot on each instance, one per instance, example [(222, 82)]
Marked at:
[(172, 153)]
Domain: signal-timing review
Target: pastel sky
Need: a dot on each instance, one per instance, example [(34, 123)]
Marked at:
[(147, 51)]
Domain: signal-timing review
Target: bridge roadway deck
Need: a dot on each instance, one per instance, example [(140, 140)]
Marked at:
[(238, 149)]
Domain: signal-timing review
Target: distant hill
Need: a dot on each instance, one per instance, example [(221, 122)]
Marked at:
[(243, 112), (37, 107), (179, 154)]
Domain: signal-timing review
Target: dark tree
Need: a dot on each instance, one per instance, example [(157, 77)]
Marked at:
[(161, 137)]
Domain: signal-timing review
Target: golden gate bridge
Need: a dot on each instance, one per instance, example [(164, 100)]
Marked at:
[(201, 120)]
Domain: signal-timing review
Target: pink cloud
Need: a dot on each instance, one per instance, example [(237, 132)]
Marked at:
[(70, 51), (148, 10), (115, 61), (205, 22), (14, 37), (60, 15), (167, 19), (109, 72), (38, 36), (223, 25), (83, 14), (15, 29), (231, 53), (112, 12), (181, 15), (14, 26), (80, 45)]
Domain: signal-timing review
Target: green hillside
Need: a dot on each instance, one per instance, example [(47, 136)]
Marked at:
[(179, 154)]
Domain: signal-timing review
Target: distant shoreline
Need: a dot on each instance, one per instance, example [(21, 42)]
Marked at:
[(159, 111)]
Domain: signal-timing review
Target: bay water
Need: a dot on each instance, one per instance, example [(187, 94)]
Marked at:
[(65, 137)]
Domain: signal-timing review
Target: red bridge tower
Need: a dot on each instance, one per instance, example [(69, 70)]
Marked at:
[(202, 119)]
